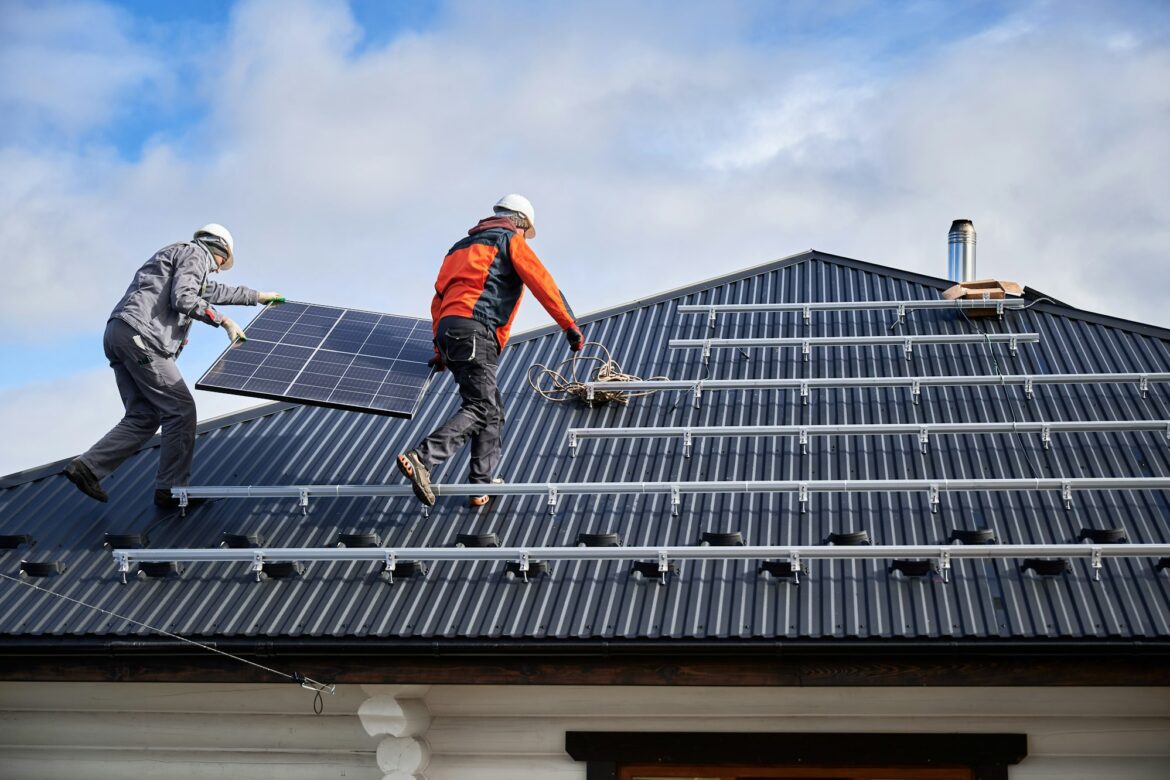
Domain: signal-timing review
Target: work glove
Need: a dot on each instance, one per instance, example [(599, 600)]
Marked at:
[(233, 330), (436, 363), (269, 297), (575, 338)]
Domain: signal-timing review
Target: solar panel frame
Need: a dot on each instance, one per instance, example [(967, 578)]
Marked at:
[(331, 356)]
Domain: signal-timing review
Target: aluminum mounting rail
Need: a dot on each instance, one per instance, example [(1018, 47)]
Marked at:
[(552, 491), (907, 343), (795, 555), (915, 383), (922, 430), (714, 309)]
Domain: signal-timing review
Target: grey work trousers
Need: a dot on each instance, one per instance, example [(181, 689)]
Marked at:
[(153, 392), (470, 351)]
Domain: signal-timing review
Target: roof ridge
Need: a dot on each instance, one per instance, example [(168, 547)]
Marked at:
[(1056, 306)]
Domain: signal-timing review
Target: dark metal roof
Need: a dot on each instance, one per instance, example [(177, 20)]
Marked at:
[(986, 600)]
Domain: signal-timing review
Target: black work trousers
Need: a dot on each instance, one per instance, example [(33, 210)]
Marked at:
[(469, 350)]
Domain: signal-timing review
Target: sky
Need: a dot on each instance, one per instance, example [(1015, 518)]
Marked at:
[(347, 145)]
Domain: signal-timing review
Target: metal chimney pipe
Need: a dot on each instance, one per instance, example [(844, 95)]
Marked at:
[(961, 251)]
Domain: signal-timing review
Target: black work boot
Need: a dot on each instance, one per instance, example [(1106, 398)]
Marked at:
[(478, 501), (164, 500), (79, 474), (420, 478)]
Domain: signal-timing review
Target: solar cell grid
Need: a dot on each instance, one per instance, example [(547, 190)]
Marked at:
[(328, 356)]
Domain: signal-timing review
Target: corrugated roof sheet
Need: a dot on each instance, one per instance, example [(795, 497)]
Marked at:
[(846, 599)]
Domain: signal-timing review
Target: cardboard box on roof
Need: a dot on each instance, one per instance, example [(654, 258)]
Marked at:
[(990, 289)]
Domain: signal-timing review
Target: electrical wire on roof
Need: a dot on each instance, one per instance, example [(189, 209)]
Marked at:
[(307, 683), (564, 382)]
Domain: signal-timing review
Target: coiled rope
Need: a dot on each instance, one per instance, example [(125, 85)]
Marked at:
[(564, 382)]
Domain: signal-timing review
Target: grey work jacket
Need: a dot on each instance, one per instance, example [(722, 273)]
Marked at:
[(170, 291)]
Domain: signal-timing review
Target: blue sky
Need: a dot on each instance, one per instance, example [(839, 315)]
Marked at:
[(348, 144)]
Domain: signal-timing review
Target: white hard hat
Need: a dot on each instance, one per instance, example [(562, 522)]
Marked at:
[(220, 236), (521, 205)]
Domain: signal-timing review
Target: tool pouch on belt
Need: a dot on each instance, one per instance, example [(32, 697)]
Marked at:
[(458, 346)]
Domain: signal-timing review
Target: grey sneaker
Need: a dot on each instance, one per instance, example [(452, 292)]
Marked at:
[(79, 474), (420, 478)]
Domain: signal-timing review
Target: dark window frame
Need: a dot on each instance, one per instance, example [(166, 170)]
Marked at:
[(988, 755)]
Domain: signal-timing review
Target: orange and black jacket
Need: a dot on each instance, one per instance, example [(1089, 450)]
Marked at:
[(484, 275)]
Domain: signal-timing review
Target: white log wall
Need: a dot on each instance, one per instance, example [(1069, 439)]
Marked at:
[(116, 730)]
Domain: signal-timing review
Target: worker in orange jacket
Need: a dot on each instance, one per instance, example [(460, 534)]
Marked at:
[(476, 298)]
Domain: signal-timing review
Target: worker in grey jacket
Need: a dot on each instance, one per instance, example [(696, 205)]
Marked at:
[(145, 333)]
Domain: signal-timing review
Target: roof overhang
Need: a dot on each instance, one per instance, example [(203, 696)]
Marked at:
[(598, 662)]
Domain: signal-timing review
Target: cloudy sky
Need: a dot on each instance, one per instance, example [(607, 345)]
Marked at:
[(348, 144)]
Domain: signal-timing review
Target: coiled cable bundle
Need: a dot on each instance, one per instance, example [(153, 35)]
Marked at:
[(564, 382)]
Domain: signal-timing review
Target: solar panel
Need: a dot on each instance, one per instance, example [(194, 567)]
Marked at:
[(328, 356)]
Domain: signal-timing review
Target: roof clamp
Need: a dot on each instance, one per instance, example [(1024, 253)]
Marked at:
[(524, 565), (675, 500), (803, 440), (1046, 437), (390, 564), (802, 496), (257, 564), (807, 315), (805, 350), (923, 439), (572, 444), (663, 566), (934, 497), (908, 348), (711, 318), (915, 391), (804, 393), (303, 500), (698, 394), (1028, 388), (687, 442), (1144, 386), (794, 565), (944, 565), (1013, 345), (552, 499), (1066, 493), (123, 564), (1095, 562)]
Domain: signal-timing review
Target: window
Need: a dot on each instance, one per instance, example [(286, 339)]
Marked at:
[(731, 772), (633, 755)]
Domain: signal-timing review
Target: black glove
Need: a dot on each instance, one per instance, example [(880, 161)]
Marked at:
[(575, 338), (436, 363)]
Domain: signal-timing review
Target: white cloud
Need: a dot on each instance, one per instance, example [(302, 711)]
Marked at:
[(658, 151), (68, 66)]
